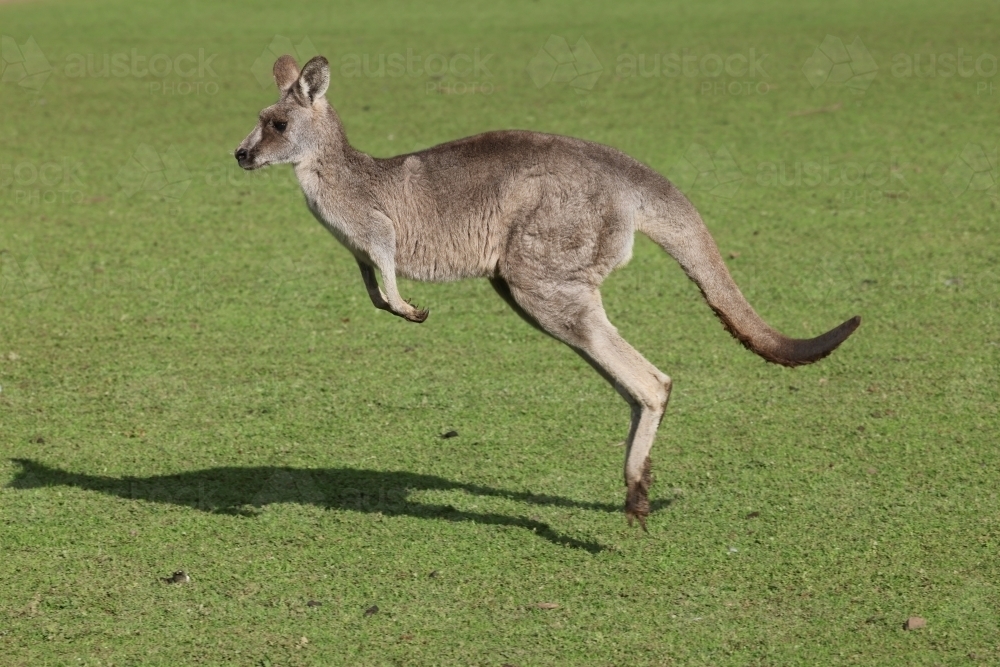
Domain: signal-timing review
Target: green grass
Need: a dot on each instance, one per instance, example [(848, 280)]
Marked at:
[(193, 376)]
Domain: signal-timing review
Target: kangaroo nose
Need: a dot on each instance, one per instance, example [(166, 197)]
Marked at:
[(241, 154)]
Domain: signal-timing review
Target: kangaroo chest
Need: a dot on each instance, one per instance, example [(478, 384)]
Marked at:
[(312, 189)]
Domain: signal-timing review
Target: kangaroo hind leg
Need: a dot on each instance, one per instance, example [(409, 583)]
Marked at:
[(573, 313)]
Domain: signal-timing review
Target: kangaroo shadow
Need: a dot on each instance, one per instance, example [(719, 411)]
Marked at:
[(245, 491)]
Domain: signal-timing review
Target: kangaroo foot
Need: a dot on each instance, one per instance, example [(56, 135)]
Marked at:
[(637, 496)]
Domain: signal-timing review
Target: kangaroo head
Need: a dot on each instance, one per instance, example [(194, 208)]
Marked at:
[(294, 128)]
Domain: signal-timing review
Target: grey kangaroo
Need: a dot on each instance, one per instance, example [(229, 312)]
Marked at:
[(545, 218)]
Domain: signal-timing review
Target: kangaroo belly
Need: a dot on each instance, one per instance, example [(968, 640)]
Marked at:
[(444, 252)]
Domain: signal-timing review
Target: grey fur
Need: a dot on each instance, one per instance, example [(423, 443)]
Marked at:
[(546, 218)]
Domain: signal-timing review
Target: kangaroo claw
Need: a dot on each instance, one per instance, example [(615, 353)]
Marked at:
[(417, 315)]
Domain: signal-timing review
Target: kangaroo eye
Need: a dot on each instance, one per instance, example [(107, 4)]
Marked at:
[(279, 125)]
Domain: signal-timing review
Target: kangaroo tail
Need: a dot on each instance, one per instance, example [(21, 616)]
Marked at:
[(679, 230)]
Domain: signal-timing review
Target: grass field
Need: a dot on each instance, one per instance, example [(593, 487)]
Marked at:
[(193, 378)]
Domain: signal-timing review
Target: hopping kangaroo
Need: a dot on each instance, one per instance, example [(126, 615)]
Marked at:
[(545, 218)]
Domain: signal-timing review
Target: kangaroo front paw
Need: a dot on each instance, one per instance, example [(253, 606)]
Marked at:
[(417, 315), (637, 496)]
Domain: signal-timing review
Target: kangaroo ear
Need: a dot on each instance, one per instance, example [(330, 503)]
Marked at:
[(314, 80), (286, 72)]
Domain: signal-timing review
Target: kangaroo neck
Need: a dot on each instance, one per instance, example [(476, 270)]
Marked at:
[(333, 159)]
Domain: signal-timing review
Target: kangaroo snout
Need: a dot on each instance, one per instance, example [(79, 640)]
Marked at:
[(243, 158)]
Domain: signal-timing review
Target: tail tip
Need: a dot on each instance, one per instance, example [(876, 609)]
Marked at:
[(801, 352), (848, 327), (830, 341)]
